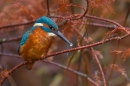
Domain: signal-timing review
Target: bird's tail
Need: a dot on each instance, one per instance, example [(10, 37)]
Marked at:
[(29, 65)]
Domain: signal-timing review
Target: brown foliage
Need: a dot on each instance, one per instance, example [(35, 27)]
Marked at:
[(124, 54), (75, 19)]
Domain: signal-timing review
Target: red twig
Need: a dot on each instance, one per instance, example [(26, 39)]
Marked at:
[(12, 70), (110, 21), (85, 10), (48, 8), (14, 25), (61, 66), (127, 15), (68, 17), (69, 5), (101, 25), (95, 56), (99, 65), (94, 17)]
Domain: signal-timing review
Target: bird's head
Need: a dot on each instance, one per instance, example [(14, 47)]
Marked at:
[(50, 27)]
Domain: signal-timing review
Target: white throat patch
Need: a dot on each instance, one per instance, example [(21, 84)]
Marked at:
[(51, 34)]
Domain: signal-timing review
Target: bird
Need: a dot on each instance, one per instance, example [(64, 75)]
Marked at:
[(38, 39)]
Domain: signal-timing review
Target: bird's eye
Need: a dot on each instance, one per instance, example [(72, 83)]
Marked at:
[(53, 29)]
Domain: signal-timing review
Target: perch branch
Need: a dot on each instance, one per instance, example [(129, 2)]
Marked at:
[(64, 51)]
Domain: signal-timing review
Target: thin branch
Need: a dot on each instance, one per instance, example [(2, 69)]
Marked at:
[(14, 25), (101, 25), (71, 58), (12, 81), (12, 70), (48, 8), (108, 20), (61, 52), (126, 17), (95, 56), (2, 49), (71, 8), (10, 39), (61, 66), (114, 62), (85, 10), (73, 71), (30, 22), (68, 17), (10, 55), (68, 5), (94, 17), (99, 65)]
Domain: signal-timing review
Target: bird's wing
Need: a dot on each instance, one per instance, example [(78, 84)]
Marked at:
[(24, 39)]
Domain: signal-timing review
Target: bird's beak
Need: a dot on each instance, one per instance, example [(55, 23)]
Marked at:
[(63, 37)]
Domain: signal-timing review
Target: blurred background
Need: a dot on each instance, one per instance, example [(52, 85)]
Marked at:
[(45, 74)]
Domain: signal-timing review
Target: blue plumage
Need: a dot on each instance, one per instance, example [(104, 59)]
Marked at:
[(24, 40), (25, 37), (48, 21)]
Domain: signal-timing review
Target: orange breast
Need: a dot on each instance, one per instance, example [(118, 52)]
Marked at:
[(38, 44)]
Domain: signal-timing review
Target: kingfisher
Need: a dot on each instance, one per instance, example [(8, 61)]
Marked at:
[(38, 39)]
